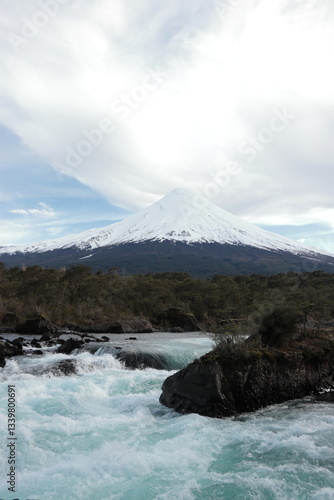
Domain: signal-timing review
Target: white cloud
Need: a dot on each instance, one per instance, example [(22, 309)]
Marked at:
[(44, 210), (227, 70)]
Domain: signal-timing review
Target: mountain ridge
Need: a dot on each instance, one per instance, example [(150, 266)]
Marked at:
[(179, 216), (181, 231)]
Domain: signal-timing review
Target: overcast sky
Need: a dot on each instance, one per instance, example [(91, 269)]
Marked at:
[(108, 105)]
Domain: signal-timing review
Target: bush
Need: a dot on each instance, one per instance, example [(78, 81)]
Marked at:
[(277, 328)]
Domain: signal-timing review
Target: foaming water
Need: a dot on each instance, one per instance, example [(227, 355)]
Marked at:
[(102, 434)]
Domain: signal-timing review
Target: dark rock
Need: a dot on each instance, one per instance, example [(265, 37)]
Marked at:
[(140, 359), (19, 341), (224, 384), (48, 336), (51, 343), (35, 343), (64, 367), (105, 339), (9, 349), (2, 361), (135, 325), (39, 325), (132, 338), (90, 338), (176, 318), (69, 346), (39, 352)]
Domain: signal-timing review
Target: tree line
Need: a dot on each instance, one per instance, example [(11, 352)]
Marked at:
[(78, 294)]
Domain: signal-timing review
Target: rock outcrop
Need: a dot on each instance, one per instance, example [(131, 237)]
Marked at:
[(135, 325), (39, 325), (224, 384), (176, 318)]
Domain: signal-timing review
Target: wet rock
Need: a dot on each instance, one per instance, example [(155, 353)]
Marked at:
[(8, 350), (38, 352), (140, 360), (64, 367), (35, 343), (20, 341), (176, 318), (70, 345), (225, 384)]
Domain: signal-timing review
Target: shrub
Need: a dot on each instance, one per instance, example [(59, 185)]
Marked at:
[(277, 327)]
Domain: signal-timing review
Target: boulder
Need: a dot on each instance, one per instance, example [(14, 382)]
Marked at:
[(224, 384), (64, 367), (141, 360), (176, 318), (35, 343), (9, 349), (20, 341), (38, 325), (69, 345), (135, 325)]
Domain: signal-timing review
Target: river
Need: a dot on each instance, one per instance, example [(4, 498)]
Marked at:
[(101, 433)]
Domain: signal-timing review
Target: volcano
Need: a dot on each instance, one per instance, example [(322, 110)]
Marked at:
[(181, 232)]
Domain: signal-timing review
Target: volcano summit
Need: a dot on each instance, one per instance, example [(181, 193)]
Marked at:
[(181, 232)]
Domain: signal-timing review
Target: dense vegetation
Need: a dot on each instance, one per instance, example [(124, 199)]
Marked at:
[(79, 295)]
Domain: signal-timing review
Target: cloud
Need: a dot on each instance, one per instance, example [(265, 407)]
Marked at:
[(44, 210), (135, 99)]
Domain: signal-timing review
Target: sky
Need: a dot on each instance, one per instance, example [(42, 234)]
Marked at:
[(106, 106)]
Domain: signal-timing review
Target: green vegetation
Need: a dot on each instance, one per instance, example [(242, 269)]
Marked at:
[(277, 328), (80, 295)]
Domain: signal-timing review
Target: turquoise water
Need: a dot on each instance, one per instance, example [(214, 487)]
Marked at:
[(102, 434)]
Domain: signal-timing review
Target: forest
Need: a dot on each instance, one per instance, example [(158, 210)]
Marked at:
[(78, 294)]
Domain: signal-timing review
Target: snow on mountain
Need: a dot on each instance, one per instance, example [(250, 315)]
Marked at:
[(180, 216)]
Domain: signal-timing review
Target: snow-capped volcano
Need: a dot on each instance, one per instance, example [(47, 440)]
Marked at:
[(181, 232), (180, 216)]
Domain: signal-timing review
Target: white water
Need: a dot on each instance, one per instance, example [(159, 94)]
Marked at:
[(102, 434)]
